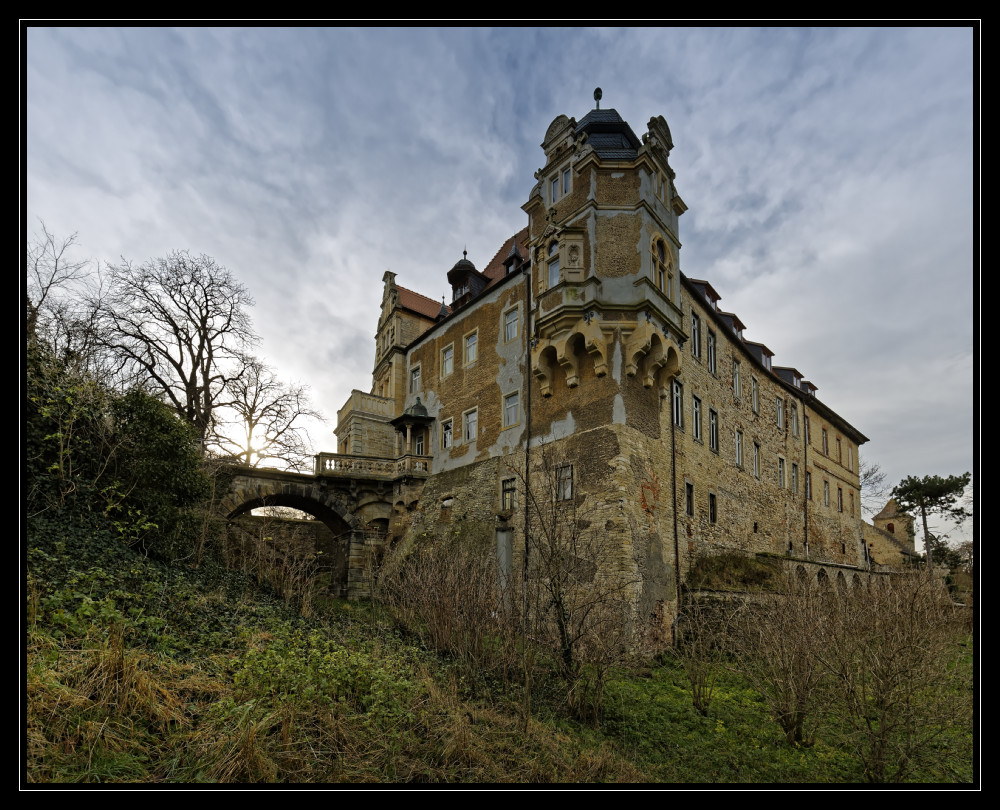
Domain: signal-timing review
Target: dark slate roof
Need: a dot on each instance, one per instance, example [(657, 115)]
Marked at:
[(610, 135)]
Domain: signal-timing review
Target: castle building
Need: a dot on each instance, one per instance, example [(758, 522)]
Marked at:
[(583, 352)]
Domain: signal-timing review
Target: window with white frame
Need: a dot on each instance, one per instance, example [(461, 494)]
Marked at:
[(826, 445), (754, 394), (565, 181), (471, 348), (447, 360), (711, 351), (470, 421), (511, 409), (739, 448), (415, 380), (511, 324), (418, 443), (713, 430), (553, 264), (826, 493), (554, 189), (779, 404), (564, 483), (756, 459), (795, 478), (446, 434), (696, 418), (793, 417), (737, 390), (781, 473), (678, 404), (695, 335)]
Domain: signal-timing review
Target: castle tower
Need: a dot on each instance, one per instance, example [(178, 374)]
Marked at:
[(605, 248)]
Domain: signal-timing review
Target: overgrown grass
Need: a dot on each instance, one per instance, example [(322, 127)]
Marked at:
[(142, 672)]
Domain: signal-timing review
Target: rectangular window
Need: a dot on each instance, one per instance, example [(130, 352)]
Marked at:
[(471, 429), (554, 189), (736, 377), (510, 324), (696, 418), (755, 397), (418, 444), (795, 478), (840, 499), (447, 360), (689, 499), (826, 493), (711, 351), (695, 335), (565, 179), (712, 513), (564, 483), (850, 458), (471, 348), (678, 404), (508, 494), (415, 380), (713, 430), (840, 453), (806, 423), (756, 459), (809, 486), (739, 448), (781, 473), (794, 417), (852, 503), (511, 409), (780, 409), (446, 434), (826, 446)]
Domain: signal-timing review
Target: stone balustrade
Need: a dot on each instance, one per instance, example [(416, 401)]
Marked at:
[(371, 467)]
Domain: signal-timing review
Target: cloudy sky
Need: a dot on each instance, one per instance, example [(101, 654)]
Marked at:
[(829, 176)]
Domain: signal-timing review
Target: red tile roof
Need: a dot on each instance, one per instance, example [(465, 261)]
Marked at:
[(495, 270), (421, 304)]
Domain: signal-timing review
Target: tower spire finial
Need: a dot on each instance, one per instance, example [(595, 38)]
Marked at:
[(597, 96)]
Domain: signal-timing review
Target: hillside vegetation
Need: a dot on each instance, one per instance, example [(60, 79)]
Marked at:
[(159, 648)]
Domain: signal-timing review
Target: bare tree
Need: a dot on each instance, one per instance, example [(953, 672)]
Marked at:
[(179, 324), (59, 293), (262, 420), (578, 600), (778, 639), (50, 269), (895, 695), (873, 485)]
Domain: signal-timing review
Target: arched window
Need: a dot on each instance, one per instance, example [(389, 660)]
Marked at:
[(891, 529), (663, 271), (553, 264)]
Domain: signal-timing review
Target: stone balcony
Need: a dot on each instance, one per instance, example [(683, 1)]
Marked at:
[(372, 468)]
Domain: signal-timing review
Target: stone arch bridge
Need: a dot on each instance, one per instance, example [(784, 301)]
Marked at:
[(352, 496)]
